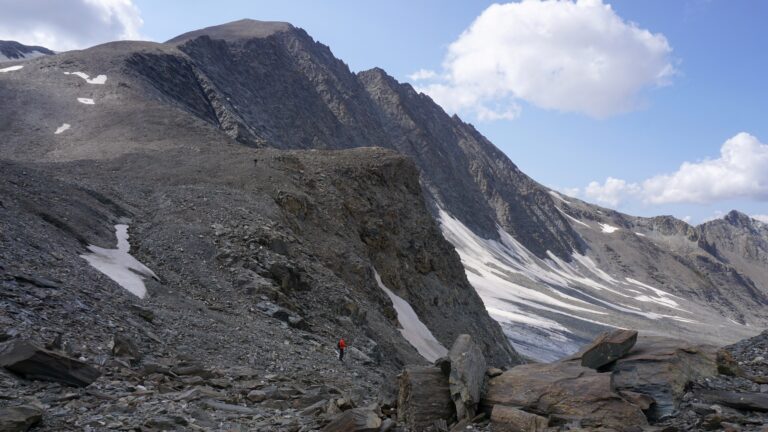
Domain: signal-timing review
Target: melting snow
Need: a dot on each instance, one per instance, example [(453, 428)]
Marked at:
[(558, 196), (119, 265), (11, 68), (573, 218), (101, 79), (414, 331), (87, 101), (608, 228), (62, 128)]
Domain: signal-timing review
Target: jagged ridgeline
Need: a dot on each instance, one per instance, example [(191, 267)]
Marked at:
[(268, 201)]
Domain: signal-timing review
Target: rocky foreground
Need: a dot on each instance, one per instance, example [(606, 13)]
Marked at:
[(618, 383)]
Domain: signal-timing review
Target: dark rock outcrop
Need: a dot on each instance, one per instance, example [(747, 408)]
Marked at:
[(19, 418), (32, 362)]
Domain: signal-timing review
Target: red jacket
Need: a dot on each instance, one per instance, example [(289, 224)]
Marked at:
[(342, 344)]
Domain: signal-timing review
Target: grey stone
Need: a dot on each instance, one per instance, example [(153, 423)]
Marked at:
[(35, 363)]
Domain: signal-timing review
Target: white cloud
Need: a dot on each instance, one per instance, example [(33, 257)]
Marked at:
[(741, 171), (69, 24), (562, 55), (761, 218), (422, 74), (612, 192)]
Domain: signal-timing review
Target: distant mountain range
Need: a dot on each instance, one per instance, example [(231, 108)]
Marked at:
[(551, 269), (14, 51)]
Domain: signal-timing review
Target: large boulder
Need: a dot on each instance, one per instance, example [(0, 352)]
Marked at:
[(33, 362), (424, 397), (355, 420), (662, 368), (746, 401), (466, 376), (566, 392), (607, 348), (19, 418), (509, 419)]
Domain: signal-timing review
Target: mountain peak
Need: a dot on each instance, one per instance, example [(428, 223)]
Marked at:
[(12, 50), (737, 218), (237, 30)]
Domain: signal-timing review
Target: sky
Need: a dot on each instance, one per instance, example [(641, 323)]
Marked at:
[(650, 107)]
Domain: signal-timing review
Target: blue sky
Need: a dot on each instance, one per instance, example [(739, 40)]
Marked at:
[(716, 90)]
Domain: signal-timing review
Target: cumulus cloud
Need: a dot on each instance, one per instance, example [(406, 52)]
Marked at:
[(562, 55), (68, 24), (741, 171), (422, 74)]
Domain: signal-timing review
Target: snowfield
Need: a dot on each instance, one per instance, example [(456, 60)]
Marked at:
[(119, 265), (548, 307), (414, 331), (11, 68), (87, 101)]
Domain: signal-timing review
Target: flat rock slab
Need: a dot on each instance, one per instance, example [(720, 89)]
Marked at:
[(35, 363), (19, 418), (564, 390), (608, 347), (509, 419), (742, 401), (355, 420), (466, 376), (424, 397), (661, 368)]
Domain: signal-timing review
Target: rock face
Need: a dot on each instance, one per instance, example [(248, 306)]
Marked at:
[(608, 347), (509, 419), (466, 376), (19, 418), (567, 392), (424, 397), (35, 363), (662, 368)]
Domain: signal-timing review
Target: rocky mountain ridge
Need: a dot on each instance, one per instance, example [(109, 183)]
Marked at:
[(14, 51)]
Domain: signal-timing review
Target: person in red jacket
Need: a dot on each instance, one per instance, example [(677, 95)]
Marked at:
[(342, 346)]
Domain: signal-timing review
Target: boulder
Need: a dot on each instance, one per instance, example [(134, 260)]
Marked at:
[(467, 375), (566, 390), (509, 419), (607, 348), (283, 314), (354, 420), (661, 368), (19, 418), (33, 362), (424, 397), (124, 346)]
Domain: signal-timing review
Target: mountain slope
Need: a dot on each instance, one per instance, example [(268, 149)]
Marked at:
[(553, 270)]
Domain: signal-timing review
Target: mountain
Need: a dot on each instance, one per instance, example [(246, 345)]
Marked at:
[(552, 270), (14, 51)]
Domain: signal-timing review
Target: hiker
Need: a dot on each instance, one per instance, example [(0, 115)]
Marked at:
[(341, 345)]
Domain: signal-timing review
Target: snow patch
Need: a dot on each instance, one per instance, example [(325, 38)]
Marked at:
[(62, 128), (608, 228), (558, 196), (414, 331), (119, 265), (573, 218), (87, 101), (640, 234), (11, 68), (101, 79)]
